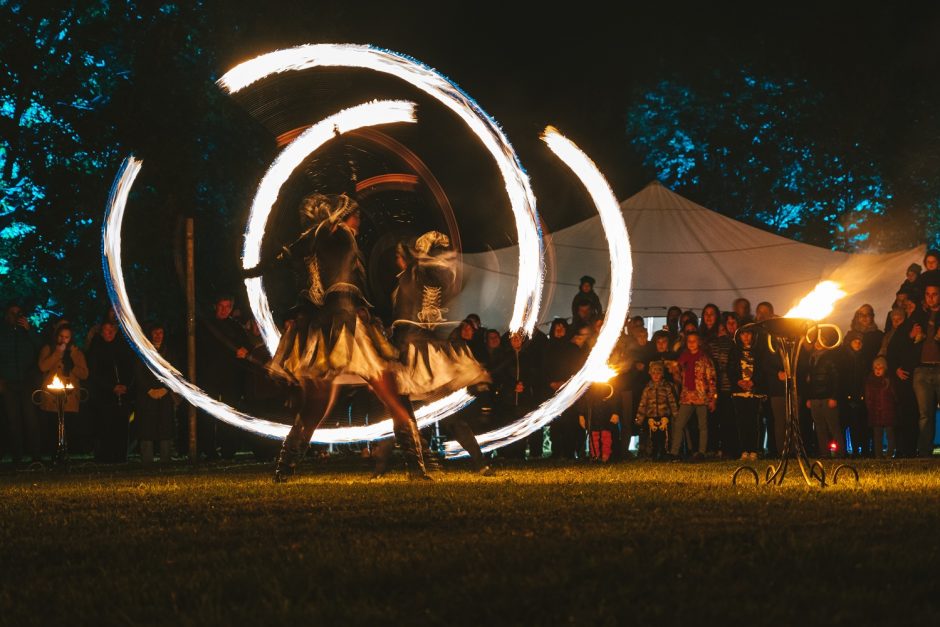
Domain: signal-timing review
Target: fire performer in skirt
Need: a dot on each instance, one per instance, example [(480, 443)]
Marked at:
[(332, 333), (431, 364)]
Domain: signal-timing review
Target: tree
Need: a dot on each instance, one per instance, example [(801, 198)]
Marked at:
[(765, 151)]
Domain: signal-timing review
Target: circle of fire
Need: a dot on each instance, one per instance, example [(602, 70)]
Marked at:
[(522, 200)]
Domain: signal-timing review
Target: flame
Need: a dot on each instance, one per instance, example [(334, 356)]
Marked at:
[(819, 303), (601, 374), (57, 384)]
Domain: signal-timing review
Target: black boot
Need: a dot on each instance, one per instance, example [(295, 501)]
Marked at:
[(292, 452), (410, 441)]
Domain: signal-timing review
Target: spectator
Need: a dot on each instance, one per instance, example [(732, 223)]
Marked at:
[(854, 370), (222, 348), (515, 384), (110, 387), (880, 401), (864, 323), (926, 335), (672, 323), (656, 410), (663, 354), (822, 394), (742, 309), (723, 439), (64, 360), (18, 375), (899, 351), (746, 377), (697, 394), (567, 438), (911, 285), (711, 323), (586, 295), (899, 300), (155, 406), (930, 275), (601, 406), (630, 357), (764, 311)]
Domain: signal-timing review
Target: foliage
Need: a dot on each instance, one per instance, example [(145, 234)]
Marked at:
[(771, 152)]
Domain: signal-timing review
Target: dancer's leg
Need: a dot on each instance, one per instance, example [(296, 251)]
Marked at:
[(317, 398), (386, 389)]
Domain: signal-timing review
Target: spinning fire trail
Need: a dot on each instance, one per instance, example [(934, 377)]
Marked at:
[(522, 202)]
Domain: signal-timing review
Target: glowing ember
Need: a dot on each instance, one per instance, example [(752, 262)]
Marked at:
[(819, 303), (58, 385)]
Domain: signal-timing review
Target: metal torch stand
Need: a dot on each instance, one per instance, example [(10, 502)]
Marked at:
[(814, 474), (60, 459)]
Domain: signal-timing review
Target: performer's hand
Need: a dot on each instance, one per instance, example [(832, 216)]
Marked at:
[(23, 321), (903, 375), (241, 353), (555, 385), (781, 375), (582, 422), (832, 403), (120, 390), (615, 419), (808, 406), (520, 388), (711, 405)]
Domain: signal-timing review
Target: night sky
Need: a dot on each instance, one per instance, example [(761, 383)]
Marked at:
[(579, 68)]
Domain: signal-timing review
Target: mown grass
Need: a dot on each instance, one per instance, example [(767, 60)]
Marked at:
[(537, 545)]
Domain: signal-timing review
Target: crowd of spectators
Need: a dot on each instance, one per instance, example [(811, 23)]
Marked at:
[(699, 388)]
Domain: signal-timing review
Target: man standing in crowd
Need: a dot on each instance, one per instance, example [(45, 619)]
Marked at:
[(220, 362), (110, 384), (18, 349), (926, 335)]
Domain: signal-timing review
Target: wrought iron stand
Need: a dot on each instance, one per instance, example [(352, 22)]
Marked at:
[(785, 337)]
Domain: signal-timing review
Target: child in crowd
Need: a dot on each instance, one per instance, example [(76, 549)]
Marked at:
[(600, 404), (745, 373), (698, 394), (880, 399), (666, 357), (657, 408)]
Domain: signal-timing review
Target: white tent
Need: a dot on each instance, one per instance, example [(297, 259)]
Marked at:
[(685, 255)]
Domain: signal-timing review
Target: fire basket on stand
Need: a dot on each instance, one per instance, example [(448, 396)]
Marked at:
[(785, 337), (60, 392)]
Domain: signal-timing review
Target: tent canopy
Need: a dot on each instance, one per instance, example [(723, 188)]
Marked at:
[(684, 255)]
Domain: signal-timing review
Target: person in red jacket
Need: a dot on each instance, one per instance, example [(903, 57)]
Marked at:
[(881, 399), (698, 393)]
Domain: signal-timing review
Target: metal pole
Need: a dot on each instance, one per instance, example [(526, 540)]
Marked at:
[(191, 332)]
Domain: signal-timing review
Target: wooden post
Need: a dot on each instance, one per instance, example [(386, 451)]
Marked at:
[(191, 332)]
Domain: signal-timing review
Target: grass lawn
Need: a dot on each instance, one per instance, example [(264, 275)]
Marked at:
[(633, 543)]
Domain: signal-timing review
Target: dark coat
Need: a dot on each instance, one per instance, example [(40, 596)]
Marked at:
[(880, 399), (822, 376), (154, 417), (110, 364)]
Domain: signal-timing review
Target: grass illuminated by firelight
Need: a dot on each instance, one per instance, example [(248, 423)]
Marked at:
[(543, 544)]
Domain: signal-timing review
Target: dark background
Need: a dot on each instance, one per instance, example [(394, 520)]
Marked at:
[(844, 93)]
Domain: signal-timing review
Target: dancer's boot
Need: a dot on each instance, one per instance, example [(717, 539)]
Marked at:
[(410, 441), (292, 452)]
